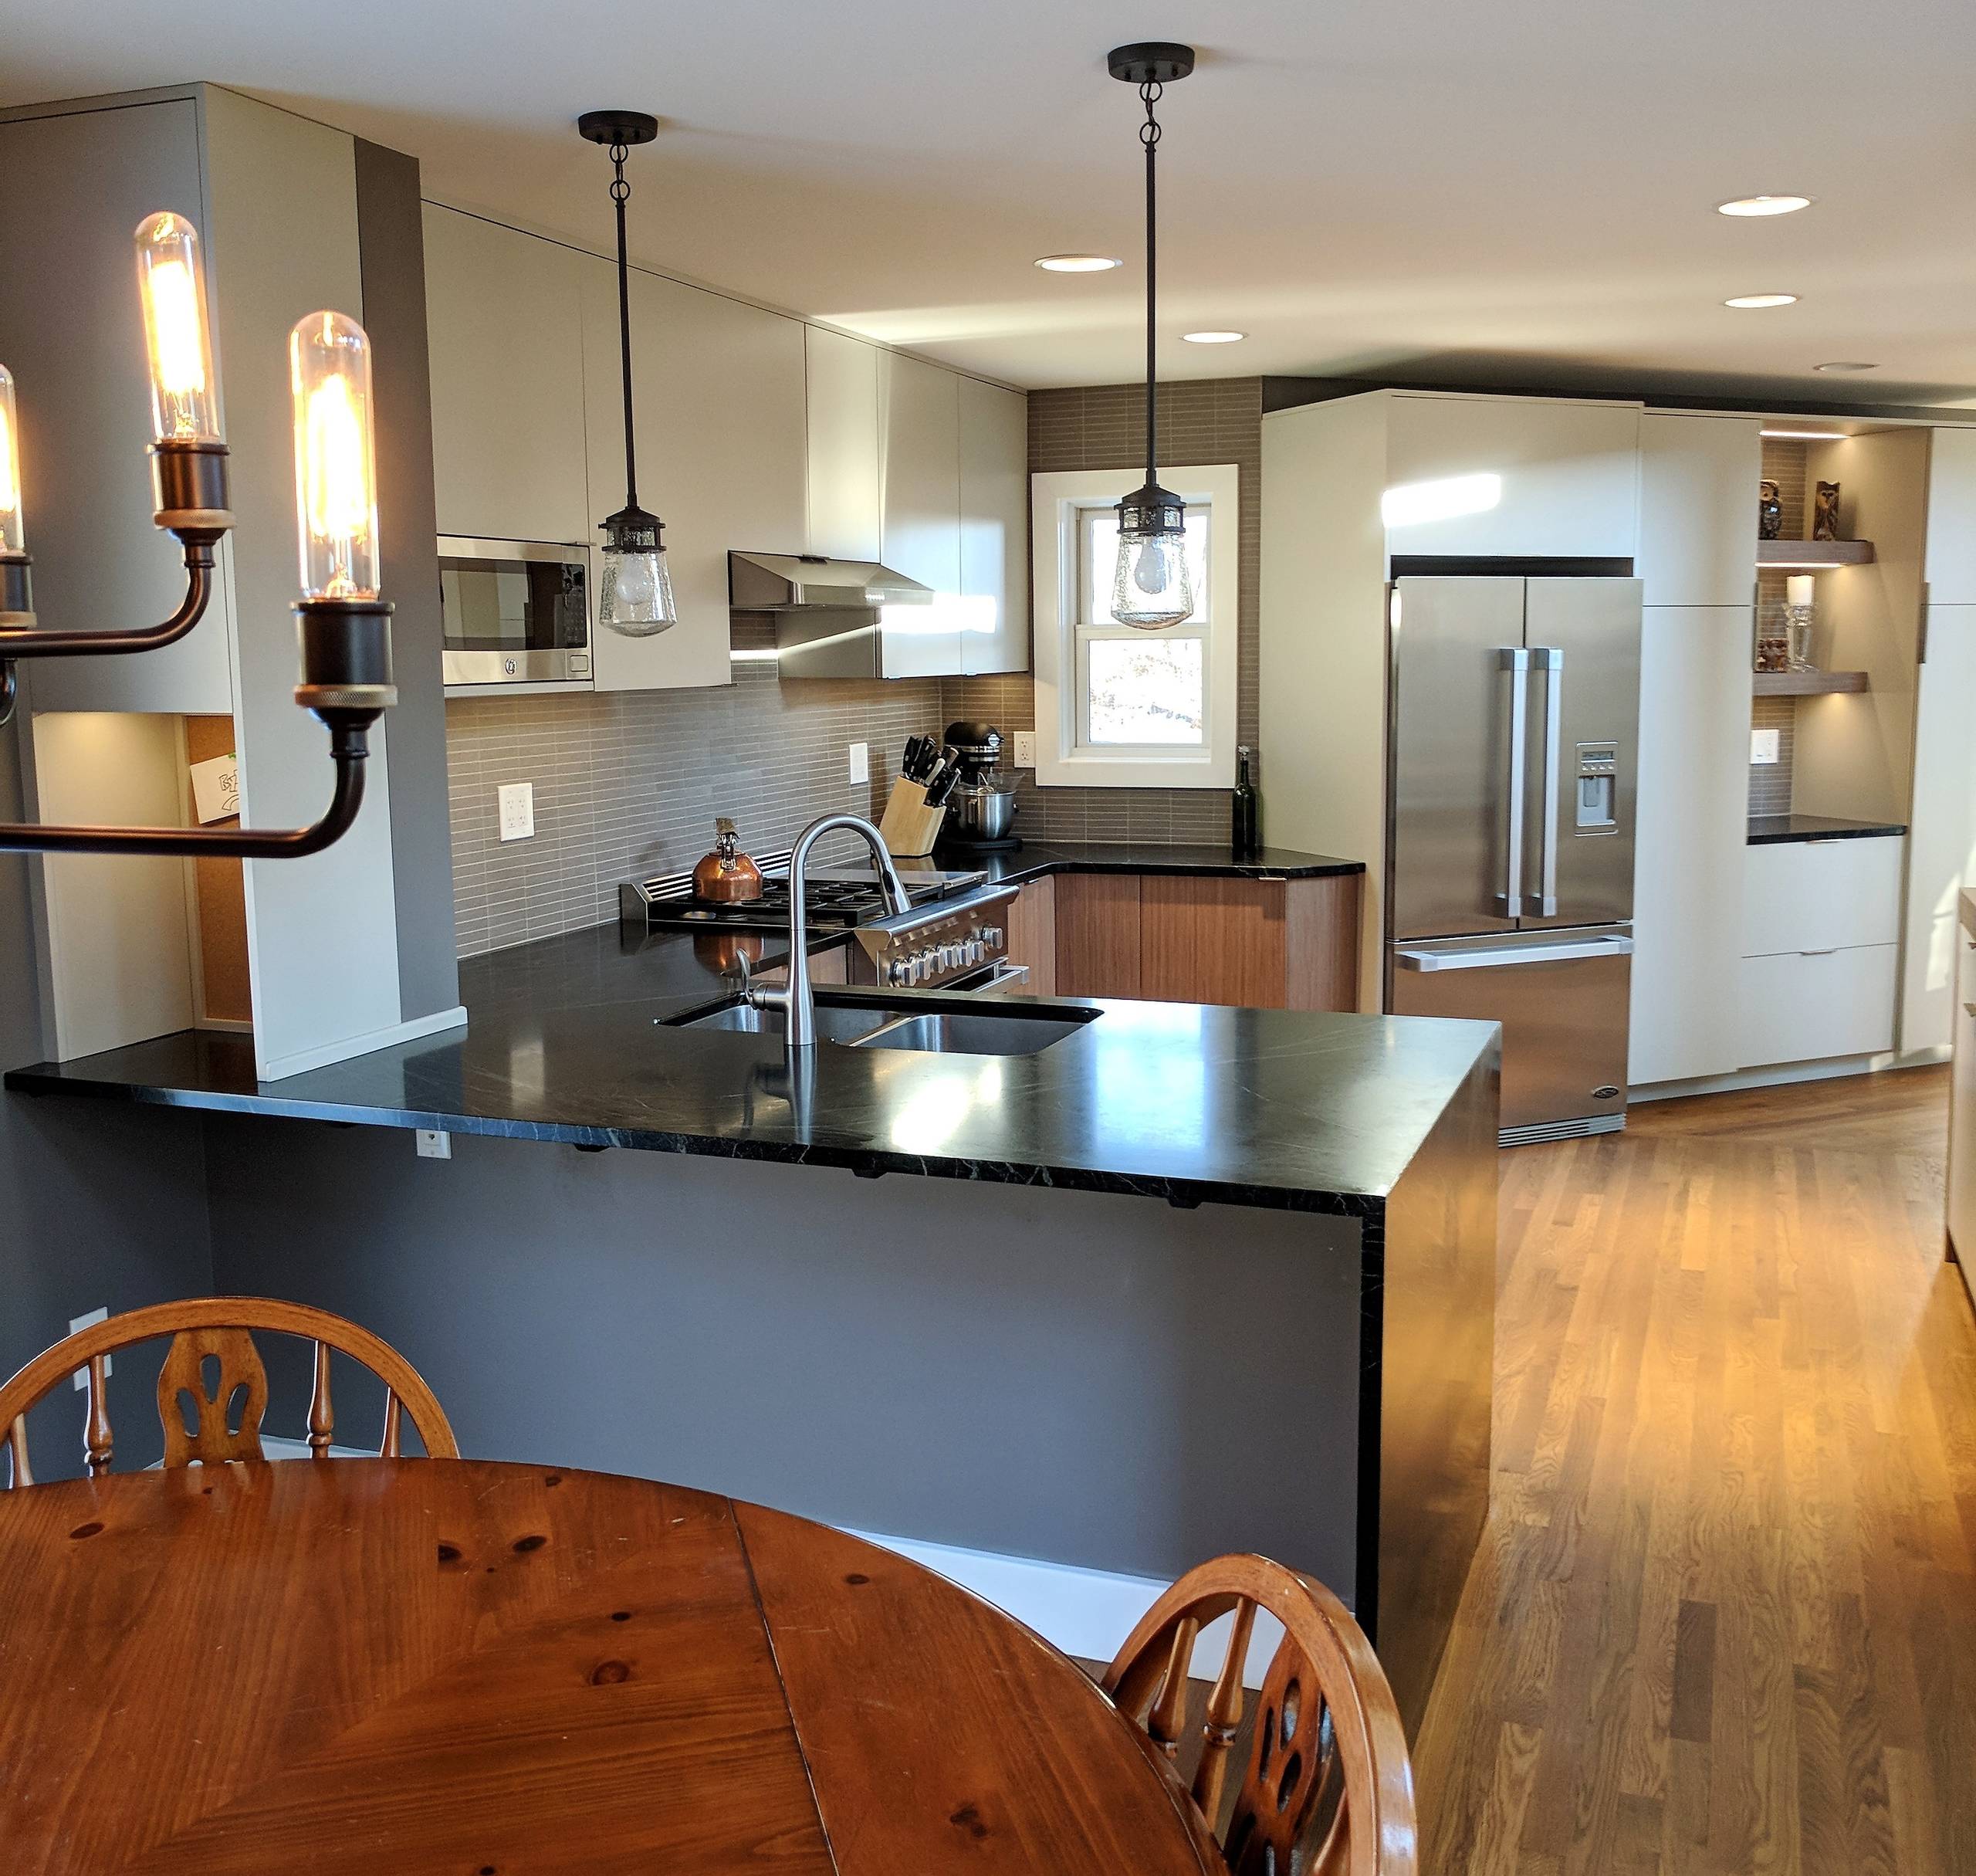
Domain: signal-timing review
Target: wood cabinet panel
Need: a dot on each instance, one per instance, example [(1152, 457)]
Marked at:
[(1032, 928), (1321, 931), (1211, 940), (221, 888), (1098, 935)]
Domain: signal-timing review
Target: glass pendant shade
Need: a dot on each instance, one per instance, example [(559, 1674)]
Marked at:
[(12, 540), (1152, 585), (634, 594), (172, 285), (335, 474)]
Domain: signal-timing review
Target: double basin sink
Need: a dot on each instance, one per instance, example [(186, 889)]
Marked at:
[(983, 1028)]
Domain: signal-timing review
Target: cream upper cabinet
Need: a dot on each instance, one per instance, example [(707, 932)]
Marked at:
[(721, 453), (1690, 840), (1941, 846), (1697, 508), (1950, 565), (994, 528), (1538, 476), (920, 536), (504, 323), (845, 456)]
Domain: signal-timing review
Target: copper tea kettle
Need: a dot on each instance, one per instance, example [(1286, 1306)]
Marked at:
[(726, 876)]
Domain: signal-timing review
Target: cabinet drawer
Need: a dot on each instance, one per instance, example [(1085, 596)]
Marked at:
[(1820, 895), (1803, 1006)]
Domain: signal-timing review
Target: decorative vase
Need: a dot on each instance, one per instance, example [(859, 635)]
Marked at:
[(1770, 510)]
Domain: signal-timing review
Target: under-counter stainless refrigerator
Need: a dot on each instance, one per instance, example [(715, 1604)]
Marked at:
[(1514, 717)]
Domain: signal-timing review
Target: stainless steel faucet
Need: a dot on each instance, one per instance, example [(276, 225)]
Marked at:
[(798, 1001)]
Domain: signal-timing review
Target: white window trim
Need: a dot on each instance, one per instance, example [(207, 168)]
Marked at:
[(1054, 500)]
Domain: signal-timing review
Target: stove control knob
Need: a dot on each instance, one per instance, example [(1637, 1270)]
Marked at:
[(895, 971), (993, 937)]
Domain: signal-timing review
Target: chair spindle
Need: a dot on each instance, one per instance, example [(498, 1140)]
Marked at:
[(97, 1443), (17, 1444), (1224, 1712), (322, 1413), (394, 1428), (1168, 1717)]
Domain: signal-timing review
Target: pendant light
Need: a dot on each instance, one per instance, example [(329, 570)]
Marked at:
[(634, 597), (1152, 586)]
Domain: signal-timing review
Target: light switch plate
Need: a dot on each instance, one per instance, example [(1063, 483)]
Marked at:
[(1763, 749), (433, 1145), (860, 762), (77, 1325), (1025, 749), (517, 801)]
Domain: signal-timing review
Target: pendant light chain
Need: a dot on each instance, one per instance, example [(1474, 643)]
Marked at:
[(621, 193), (1149, 95)]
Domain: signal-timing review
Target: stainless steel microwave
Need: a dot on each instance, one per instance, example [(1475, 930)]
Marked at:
[(514, 611)]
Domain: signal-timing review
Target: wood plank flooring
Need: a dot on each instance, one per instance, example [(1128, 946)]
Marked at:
[(1724, 1620)]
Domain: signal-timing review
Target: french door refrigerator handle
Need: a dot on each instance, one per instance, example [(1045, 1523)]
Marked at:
[(1550, 659), (1492, 957), (1515, 660)]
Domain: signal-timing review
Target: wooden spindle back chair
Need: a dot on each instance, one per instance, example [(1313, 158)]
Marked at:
[(211, 1424), (1328, 1750)]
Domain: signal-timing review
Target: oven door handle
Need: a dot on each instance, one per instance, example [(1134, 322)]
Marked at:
[(1004, 977)]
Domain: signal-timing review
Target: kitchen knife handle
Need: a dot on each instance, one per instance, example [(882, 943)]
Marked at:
[(1515, 660)]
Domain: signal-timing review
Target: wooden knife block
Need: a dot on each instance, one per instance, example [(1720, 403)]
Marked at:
[(909, 826)]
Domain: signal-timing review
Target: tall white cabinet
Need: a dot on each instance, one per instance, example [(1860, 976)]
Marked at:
[(1698, 478)]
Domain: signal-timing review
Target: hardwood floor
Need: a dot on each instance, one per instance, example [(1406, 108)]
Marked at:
[(1724, 1620)]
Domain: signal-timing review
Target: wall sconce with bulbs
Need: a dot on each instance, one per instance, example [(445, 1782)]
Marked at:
[(344, 627)]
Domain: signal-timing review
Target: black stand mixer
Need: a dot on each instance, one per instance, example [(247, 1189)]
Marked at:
[(981, 811)]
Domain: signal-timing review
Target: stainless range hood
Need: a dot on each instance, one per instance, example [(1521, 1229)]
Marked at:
[(828, 613), (796, 582)]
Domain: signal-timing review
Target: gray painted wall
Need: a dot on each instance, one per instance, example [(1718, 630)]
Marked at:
[(1093, 1380), (99, 1206)]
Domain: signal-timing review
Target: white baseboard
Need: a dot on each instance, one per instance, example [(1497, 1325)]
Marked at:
[(1785, 1074), (303, 1060), (1086, 1613)]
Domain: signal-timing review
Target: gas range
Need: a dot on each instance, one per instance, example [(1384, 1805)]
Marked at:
[(954, 937)]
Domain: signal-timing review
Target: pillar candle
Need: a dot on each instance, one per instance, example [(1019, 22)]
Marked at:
[(1799, 589)]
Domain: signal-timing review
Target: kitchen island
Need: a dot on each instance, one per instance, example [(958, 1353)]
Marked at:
[(1191, 1279)]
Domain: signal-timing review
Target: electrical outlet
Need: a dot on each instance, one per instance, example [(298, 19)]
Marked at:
[(77, 1323), (433, 1144), (517, 801), (860, 762), (1763, 748), (1025, 749)]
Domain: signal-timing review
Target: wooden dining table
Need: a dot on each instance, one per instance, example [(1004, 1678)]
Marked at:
[(368, 1665)]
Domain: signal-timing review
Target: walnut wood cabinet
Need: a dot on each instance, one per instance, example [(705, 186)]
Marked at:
[(1194, 938), (1032, 929)]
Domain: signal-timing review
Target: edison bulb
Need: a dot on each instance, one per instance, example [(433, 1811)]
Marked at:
[(1152, 586), (336, 476), (171, 285), (635, 597), (12, 538)]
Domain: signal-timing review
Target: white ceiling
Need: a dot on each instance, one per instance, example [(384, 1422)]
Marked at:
[(1516, 194)]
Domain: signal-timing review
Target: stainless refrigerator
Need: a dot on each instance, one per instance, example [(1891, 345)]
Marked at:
[(1514, 716)]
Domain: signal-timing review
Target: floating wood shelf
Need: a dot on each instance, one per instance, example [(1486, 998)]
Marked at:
[(1808, 683), (1814, 553)]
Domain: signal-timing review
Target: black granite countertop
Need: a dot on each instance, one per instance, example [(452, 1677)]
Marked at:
[(1035, 858), (1773, 830), (567, 1041)]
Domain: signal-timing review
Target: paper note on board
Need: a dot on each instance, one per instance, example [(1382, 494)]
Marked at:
[(216, 789)]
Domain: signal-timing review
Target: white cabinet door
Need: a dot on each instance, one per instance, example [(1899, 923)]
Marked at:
[(922, 534), (1962, 1114), (504, 327), (720, 449), (1813, 1006), (1951, 562), (994, 528), (1941, 844), (1821, 895), (1697, 508), (1511, 476), (1691, 841), (842, 388)]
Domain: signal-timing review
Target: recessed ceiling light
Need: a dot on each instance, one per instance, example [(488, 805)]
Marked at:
[(1846, 364), (1078, 263), (1213, 338), (1764, 204), (1743, 301), (1807, 436)]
